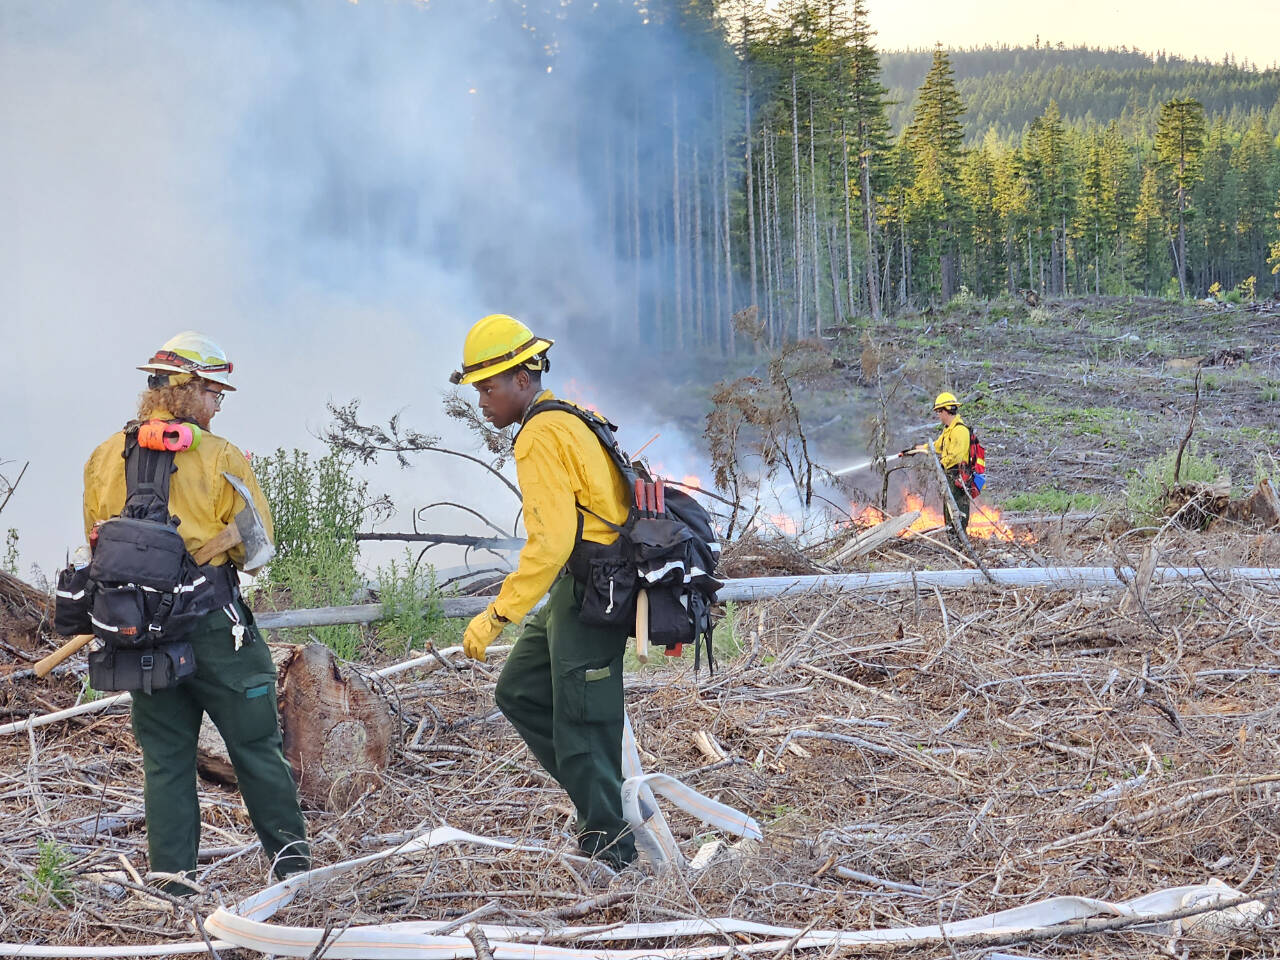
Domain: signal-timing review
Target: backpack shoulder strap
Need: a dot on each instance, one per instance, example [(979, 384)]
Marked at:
[(602, 428), (604, 432), (146, 477)]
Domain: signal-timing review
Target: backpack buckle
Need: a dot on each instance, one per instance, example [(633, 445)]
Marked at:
[(146, 661)]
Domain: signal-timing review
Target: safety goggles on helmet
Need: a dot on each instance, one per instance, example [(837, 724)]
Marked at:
[(189, 354), (189, 365)]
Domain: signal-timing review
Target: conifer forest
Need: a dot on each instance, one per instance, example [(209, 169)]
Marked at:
[(803, 171)]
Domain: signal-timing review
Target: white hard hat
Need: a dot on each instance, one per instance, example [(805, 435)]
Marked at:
[(192, 353)]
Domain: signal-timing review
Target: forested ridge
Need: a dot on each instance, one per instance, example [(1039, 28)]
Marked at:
[(1005, 88), (748, 161)]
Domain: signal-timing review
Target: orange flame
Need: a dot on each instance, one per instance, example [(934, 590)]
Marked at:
[(984, 520), (784, 524)]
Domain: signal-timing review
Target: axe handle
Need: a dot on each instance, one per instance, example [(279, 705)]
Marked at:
[(223, 540), (67, 649), (642, 626)]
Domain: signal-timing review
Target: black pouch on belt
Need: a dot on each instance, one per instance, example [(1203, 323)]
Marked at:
[(144, 669), (608, 578)]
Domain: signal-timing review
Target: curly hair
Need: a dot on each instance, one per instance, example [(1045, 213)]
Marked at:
[(183, 402)]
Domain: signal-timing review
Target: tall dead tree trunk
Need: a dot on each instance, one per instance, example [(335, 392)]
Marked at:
[(813, 228), (751, 207), (676, 251), (796, 194)]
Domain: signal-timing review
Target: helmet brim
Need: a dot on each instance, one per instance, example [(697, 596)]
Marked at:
[(539, 345), (219, 378)]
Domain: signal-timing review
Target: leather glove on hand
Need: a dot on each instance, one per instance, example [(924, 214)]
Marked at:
[(482, 631)]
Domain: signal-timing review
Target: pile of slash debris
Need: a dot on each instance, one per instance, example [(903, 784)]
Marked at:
[(912, 756)]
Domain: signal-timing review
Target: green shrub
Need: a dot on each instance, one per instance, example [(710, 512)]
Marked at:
[(51, 881), (1051, 501), (317, 507), (412, 611), (11, 556), (1148, 487), (963, 301)]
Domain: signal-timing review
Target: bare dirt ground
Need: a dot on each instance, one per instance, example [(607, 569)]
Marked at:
[(911, 757)]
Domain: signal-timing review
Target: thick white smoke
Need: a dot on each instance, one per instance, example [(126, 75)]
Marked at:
[(332, 191)]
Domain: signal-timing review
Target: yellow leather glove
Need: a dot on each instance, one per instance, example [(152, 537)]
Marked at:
[(483, 629)]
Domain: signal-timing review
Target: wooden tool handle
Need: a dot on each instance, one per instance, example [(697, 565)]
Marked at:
[(642, 626), (67, 649), (223, 540)]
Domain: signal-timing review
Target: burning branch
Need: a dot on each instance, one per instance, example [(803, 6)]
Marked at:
[(954, 513)]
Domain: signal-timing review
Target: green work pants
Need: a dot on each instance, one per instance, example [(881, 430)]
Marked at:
[(561, 688), (237, 688), (963, 503)]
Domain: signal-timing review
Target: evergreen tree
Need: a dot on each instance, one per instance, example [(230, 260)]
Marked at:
[(1050, 177), (1255, 161), (1180, 138), (1149, 236), (869, 127), (935, 138)]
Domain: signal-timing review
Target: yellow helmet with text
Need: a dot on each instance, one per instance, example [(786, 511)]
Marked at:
[(945, 400), (496, 344), (188, 355)]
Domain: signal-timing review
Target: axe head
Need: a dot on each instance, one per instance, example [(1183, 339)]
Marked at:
[(258, 548)]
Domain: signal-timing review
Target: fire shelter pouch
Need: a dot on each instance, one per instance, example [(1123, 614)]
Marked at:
[(609, 593), (141, 552), (142, 668), (73, 598)]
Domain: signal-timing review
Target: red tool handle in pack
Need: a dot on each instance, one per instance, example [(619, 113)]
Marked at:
[(660, 498), (640, 496)]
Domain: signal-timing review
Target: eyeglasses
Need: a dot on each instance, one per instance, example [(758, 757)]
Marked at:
[(217, 397)]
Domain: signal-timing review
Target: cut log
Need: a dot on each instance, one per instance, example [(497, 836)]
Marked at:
[(869, 539)]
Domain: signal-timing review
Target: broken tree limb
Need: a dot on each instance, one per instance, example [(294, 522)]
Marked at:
[(869, 539), (763, 588), (484, 543), (953, 515)]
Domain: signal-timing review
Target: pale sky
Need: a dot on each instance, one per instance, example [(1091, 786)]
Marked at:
[(1246, 28)]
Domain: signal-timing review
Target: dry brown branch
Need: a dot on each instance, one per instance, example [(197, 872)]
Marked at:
[(940, 755)]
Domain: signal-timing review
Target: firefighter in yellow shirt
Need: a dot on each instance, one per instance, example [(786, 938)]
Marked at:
[(952, 447), (235, 679), (561, 685)]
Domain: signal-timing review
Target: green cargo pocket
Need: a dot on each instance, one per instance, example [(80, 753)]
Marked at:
[(250, 712), (601, 696)]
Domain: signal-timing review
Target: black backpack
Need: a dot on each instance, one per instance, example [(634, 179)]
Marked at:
[(141, 591), (670, 553)]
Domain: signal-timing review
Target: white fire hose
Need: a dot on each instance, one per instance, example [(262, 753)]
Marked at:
[(245, 925)]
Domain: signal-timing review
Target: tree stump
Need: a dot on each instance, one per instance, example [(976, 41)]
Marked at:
[(338, 733)]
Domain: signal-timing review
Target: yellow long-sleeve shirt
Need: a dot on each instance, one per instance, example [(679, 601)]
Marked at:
[(560, 465), (952, 444), (199, 494)]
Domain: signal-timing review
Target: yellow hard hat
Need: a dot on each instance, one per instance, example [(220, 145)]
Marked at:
[(496, 344), (191, 354), (945, 400)]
